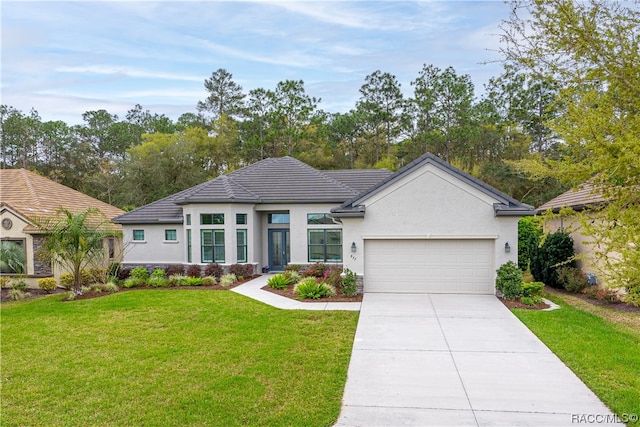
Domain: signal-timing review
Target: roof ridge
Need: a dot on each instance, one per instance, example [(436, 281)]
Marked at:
[(32, 190), (320, 172)]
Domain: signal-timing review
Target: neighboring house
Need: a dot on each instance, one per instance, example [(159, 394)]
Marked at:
[(26, 198), (580, 199), (427, 228)]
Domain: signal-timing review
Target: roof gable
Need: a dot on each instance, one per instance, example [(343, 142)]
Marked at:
[(34, 196), (504, 206)]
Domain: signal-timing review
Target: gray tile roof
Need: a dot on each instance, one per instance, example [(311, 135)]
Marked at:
[(360, 180), (506, 205), (272, 180)]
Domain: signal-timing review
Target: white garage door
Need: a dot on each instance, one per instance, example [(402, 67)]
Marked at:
[(438, 266)]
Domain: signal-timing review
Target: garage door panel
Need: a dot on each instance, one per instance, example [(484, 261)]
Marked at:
[(439, 266)]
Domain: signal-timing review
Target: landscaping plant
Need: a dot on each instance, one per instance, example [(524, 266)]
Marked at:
[(280, 281), (312, 289), (556, 251), (509, 280), (349, 284), (228, 280), (47, 284), (572, 279)]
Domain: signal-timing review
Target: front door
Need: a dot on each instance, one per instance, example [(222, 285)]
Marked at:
[(278, 248)]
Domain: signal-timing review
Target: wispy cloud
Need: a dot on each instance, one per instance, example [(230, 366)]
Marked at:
[(126, 71)]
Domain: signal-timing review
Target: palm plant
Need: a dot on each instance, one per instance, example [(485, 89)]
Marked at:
[(11, 257), (75, 241)]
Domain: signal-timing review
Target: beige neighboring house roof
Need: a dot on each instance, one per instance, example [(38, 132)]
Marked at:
[(580, 198), (36, 197)]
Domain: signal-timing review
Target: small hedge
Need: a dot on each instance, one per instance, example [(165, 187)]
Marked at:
[(509, 280), (47, 284)]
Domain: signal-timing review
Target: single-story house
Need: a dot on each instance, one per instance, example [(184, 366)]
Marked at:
[(579, 199), (428, 227), (25, 199)]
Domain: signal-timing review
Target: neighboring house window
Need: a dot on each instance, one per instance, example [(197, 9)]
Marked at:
[(138, 235), (171, 235), (111, 244), (211, 219), (325, 245), (315, 218), (241, 236), (212, 245), (278, 218), (189, 256), (241, 219), (188, 219), (12, 256)]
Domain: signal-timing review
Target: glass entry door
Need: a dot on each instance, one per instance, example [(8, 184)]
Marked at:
[(278, 249)]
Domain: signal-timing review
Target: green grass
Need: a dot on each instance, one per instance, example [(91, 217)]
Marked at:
[(605, 355), (171, 358)]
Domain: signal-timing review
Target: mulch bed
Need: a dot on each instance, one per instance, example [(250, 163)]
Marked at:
[(618, 306), (339, 297), (34, 293), (517, 304)]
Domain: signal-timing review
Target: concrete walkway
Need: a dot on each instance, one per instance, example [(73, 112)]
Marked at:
[(436, 360), (253, 289)]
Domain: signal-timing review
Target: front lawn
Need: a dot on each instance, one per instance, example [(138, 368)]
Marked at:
[(604, 354), (171, 358)]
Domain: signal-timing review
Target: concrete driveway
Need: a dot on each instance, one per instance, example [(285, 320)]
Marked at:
[(462, 360)]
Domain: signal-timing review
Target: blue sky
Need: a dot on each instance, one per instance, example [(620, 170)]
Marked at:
[(65, 58)]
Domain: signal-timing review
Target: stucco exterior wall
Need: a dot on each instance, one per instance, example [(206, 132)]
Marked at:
[(154, 248), (429, 204)]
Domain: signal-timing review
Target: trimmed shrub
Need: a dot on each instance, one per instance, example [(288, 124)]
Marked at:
[(177, 280), (209, 281), (174, 269), (292, 267), (509, 280), (556, 251), (315, 270), (228, 280), (4, 282), (238, 269), (608, 296), (349, 285), (214, 270), (47, 284), (530, 289), (280, 281), (193, 271), (158, 273), (309, 288), (66, 280), (139, 273), (572, 279)]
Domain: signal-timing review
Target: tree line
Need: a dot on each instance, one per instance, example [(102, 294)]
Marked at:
[(141, 157)]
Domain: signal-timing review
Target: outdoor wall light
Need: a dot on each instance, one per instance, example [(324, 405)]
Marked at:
[(353, 246), (507, 248)]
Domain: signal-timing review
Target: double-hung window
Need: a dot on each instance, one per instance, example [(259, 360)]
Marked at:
[(170, 235), (325, 245), (241, 241), (212, 249)]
